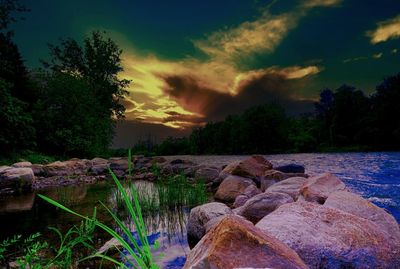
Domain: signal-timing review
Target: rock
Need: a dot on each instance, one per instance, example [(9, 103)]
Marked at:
[(118, 164), (98, 166), (67, 168), (231, 187), (251, 167), (356, 205), (208, 174), (262, 204), (179, 166), (22, 164), (4, 168), (38, 169), (318, 188), (202, 214), (236, 243), (291, 168), (289, 186), (17, 178), (110, 247), (249, 192), (325, 237), (158, 160), (274, 175)]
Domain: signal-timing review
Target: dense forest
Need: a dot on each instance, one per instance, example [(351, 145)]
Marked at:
[(345, 119), (70, 106)]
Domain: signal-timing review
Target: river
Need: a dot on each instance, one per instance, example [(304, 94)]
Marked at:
[(375, 176)]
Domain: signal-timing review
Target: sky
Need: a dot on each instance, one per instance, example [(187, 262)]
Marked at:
[(193, 62)]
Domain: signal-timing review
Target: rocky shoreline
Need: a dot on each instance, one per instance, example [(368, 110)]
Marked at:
[(262, 216), (294, 222)]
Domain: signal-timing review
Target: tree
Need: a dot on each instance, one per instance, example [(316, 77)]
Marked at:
[(79, 97), (16, 130)]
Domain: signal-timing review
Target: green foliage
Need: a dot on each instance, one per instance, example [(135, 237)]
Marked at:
[(16, 129), (140, 254)]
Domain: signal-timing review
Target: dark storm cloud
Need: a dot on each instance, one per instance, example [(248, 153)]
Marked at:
[(214, 105)]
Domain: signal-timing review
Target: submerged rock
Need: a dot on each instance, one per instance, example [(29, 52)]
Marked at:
[(262, 204), (200, 215), (289, 186), (318, 188), (326, 237), (237, 243), (231, 187)]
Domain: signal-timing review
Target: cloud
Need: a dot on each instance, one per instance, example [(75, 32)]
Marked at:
[(377, 55), (394, 51), (386, 30), (321, 3)]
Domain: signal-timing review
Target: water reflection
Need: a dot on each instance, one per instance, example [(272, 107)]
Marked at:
[(165, 224)]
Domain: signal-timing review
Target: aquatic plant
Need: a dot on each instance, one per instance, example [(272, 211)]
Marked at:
[(138, 251)]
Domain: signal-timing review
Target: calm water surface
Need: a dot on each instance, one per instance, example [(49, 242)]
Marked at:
[(375, 176)]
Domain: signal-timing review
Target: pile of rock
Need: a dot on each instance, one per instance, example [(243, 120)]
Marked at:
[(281, 218), (27, 176)]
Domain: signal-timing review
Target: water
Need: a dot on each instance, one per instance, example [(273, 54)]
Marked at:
[(375, 176)]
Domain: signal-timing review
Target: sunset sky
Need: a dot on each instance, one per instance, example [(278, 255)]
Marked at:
[(197, 61)]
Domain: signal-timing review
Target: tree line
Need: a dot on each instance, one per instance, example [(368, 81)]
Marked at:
[(345, 119), (70, 105)]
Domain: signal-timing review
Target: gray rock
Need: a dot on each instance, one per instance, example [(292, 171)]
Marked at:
[(202, 214), (326, 237), (207, 174), (262, 204), (291, 168), (231, 187), (289, 186), (17, 178)]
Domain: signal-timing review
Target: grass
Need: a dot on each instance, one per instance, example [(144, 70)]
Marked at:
[(28, 155)]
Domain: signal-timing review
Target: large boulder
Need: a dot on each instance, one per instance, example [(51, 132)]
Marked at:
[(249, 192), (356, 205), (318, 188), (231, 187), (262, 204), (236, 243), (202, 214), (291, 168), (255, 166), (21, 178), (326, 237), (66, 168), (289, 186)]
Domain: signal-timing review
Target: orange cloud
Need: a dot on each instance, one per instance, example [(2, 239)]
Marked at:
[(386, 30)]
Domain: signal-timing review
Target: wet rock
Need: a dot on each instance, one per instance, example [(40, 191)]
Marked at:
[(290, 186), (249, 192), (326, 237), (251, 167), (356, 205), (231, 187), (22, 164), (202, 214), (291, 168), (262, 204), (21, 178), (318, 188), (236, 243)]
